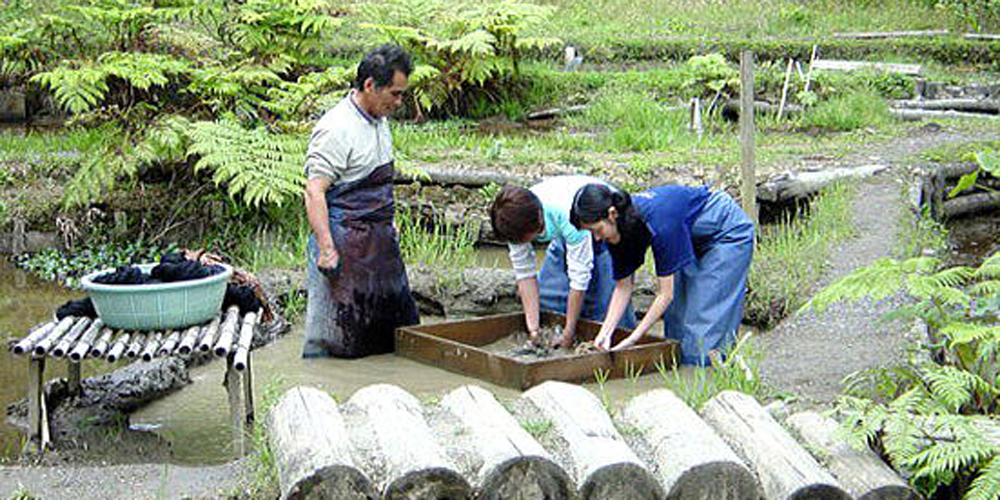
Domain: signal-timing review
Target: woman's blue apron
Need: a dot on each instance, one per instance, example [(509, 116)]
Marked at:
[(553, 284), (356, 313), (708, 294)]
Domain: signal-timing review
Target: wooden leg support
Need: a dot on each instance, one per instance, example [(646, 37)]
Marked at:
[(37, 420), (73, 377), (236, 414), (248, 405)]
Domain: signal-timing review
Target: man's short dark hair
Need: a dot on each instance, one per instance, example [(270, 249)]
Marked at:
[(381, 64)]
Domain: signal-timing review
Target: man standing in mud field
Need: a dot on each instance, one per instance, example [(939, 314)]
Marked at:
[(356, 280)]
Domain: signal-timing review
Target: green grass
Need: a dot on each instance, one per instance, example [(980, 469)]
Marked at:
[(957, 152), (791, 255), (849, 112), (263, 481), (738, 372), (537, 428), (445, 247)]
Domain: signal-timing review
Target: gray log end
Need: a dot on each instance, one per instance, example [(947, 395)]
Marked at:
[(623, 481), (820, 492), (891, 492), (527, 478), (436, 483), (333, 483), (716, 481)]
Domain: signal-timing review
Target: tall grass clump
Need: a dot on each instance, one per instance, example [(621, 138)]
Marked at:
[(440, 246), (739, 371), (631, 121), (849, 112), (791, 255), (263, 482)]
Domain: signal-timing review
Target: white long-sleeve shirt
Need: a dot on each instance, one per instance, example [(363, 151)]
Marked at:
[(556, 195)]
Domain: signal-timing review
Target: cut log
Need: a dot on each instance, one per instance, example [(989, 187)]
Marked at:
[(118, 348), (862, 472), (991, 106), (135, 347), (45, 344), (227, 332), (801, 184), (189, 339), (921, 114), (415, 465), (12, 107), (786, 471), (970, 204), (67, 341), (981, 36), (209, 335), (102, 344), (453, 177), (149, 352), (731, 109), (312, 449), (83, 345), (693, 462), (891, 34), (245, 341), (550, 113), (605, 466), (831, 64), (514, 464), (27, 344), (169, 344)]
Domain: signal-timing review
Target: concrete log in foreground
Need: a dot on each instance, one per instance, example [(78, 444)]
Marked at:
[(312, 449)]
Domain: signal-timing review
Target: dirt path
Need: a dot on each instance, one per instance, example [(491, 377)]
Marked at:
[(809, 354)]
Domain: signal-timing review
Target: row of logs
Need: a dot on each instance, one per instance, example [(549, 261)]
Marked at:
[(80, 338), (382, 443)]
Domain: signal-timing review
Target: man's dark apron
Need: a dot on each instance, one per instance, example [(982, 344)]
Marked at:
[(356, 313)]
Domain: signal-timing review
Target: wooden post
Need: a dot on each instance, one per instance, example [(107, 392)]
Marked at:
[(784, 90), (248, 406), (696, 116), (748, 190), (73, 377), (236, 415), (36, 371), (809, 72)]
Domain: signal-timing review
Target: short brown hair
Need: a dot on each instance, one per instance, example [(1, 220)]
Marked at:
[(515, 213)]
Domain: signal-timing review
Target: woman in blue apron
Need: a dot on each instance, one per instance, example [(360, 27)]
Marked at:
[(702, 246), (358, 308), (575, 278)]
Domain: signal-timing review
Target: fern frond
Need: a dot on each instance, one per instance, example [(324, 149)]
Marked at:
[(76, 89), (955, 387), (142, 70), (986, 486), (964, 333), (258, 166)]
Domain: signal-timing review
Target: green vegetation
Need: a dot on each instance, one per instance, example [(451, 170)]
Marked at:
[(932, 413), (737, 372), (849, 112), (791, 255), (264, 476), (537, 428), (51, 264), (441, 246)]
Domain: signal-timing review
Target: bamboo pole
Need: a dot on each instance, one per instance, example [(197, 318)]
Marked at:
[(209, 335), (83, 345), (135, 348), (227, 332), (66, 342), (102, 344), (784, 90), (149, 352), (189, 339), (27, 344), (43, 345), (245, 341), (116, 351), (169, 344), (748, 191)]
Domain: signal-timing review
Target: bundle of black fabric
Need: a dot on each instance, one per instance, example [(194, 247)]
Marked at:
[(242, 296), (77, 308), (173, 267)]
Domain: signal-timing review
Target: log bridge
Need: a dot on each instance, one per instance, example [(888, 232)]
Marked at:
[(559, 441), (77, 339)]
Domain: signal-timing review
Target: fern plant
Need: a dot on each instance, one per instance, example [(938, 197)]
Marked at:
[(258, 166), (934, 418), (460, 48)]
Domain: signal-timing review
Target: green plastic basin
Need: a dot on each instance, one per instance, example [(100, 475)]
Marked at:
[(157, 306)]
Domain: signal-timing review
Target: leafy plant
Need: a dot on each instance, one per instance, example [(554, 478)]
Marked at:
[(68, 268), (931, 414), (440, 246), (738, 371), (988, 161), (537, 428), (848, 112), (708, 74)]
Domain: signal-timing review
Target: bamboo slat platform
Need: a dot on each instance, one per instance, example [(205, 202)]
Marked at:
[(78, 339)]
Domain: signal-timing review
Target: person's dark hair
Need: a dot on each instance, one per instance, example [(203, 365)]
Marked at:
[(591, 205), (381, 64), (515, 213)]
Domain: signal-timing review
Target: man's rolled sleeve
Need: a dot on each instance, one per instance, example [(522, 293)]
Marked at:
[(522, 259), (580, 263), (326, 157)]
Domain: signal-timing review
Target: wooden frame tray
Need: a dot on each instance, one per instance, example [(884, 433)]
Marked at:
[(457, 346)]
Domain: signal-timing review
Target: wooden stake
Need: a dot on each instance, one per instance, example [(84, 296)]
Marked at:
[(809, 74), (36, 371), (784, 90), (748, 191), (73, 377), (236, 414), (248, 406)]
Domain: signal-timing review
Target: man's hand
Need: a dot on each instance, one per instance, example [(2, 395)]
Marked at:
[(329, 263)]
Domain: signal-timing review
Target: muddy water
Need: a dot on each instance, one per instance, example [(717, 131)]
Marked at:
[(971, 239), (25, 302)]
